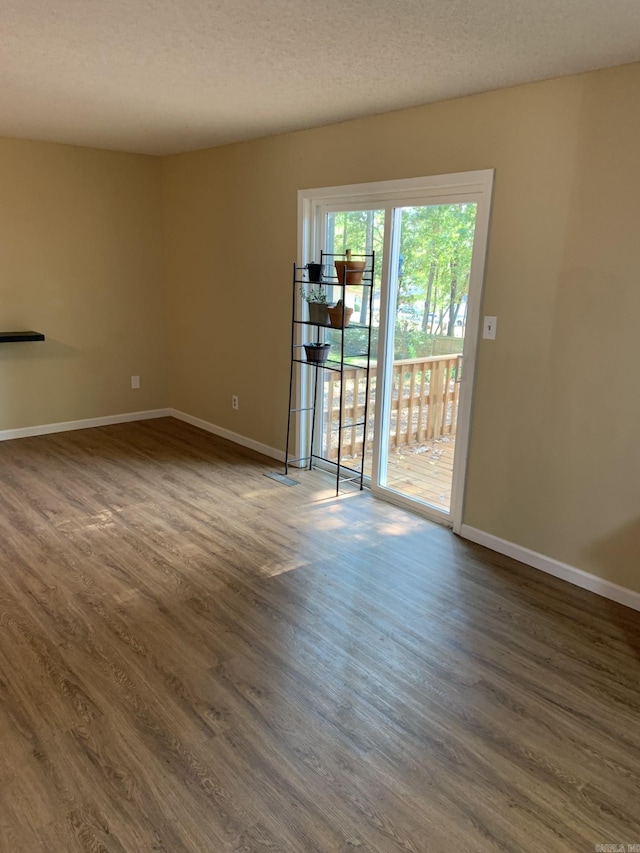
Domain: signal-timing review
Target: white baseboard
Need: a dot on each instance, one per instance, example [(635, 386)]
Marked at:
[(87, 423), (575, 576), (265, 449), (127, 417)]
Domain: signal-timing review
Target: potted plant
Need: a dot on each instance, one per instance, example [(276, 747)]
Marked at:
[(317, 352), (318, 304), (339, 313), (315, 271), (348, 271)]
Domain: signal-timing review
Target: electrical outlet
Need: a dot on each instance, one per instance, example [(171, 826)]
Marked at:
[(234, 402), (135, 382)]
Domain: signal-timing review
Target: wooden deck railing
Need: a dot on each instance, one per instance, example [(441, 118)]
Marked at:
[(424, 404)]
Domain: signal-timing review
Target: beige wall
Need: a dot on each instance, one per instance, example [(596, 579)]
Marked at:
[(80, 260), (553, 460)]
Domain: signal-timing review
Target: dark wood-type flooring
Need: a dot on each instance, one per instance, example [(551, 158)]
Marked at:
[(196, 658)]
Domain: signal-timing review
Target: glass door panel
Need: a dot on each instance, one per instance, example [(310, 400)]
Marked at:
[(427, 314), (361, 231)]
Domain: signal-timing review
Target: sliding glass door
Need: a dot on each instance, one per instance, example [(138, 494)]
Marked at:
[(430, 243)]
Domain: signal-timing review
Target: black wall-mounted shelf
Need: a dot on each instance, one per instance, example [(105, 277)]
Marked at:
[(19, 337)]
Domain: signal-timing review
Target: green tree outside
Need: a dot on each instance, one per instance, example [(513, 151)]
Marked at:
[(436, 245)]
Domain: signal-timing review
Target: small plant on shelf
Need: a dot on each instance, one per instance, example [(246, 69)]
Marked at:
[(336, 317), (314, 294), (318, 304), (348, 271), (318, 352)]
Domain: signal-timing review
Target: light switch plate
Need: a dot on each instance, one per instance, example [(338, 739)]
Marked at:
[(489, 328)]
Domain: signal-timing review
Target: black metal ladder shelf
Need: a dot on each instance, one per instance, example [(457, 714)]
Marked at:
[(304, 331)]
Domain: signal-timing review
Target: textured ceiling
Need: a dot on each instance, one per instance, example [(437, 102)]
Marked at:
[(162, 76)]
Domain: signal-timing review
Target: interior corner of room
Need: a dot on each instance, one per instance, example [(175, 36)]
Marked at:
[(176, 270)]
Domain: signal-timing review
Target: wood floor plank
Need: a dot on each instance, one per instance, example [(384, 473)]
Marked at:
[(195, 658)]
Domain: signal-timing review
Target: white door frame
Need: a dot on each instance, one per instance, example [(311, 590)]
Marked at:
[(473, 186)]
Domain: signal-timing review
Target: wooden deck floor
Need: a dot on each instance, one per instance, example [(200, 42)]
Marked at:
[(423, 471), (197, 659)]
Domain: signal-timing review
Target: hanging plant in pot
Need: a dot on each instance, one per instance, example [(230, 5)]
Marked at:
[(338, 313), (317, 353), (318, 305)]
